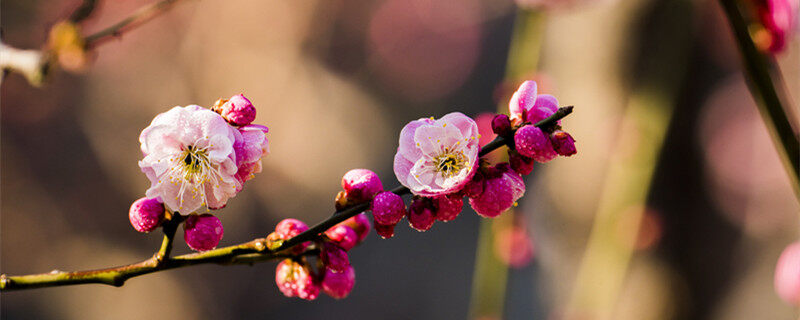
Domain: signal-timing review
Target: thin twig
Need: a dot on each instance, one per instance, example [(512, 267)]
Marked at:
[(245, 253), (761, 71), (136, 19)]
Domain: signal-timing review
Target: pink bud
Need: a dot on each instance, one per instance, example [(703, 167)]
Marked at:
[(290, 228), (388, 208), (361, 185), (501, 125), (531, 142), (295, 279), (146, 214), (202, 232), (501, 189), (521, 164), (563, 143), (238, 111), (343, 236), (475, 187), (787, 275), (385, 231), (339, 285), (420, 214), (360, 224), (448, 207), (334, 257)]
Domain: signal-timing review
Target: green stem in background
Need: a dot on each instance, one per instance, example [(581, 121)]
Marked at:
[(244, 253), (490, 277), (604, 265), (763, 75)]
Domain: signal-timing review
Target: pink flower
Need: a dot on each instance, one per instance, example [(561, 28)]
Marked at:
[(779, 18), (360, 224), (295, 279), (339, 285), (420, 214), (334, 257), (448, 207), (787, 275), (343, 236), (189, 159), (502, 187), (437, 157), (237, 111), (385, 231), (526, 106), (250, 146), (361, 185), (531, 142), (146, 214), (203, 232), (388, 208)]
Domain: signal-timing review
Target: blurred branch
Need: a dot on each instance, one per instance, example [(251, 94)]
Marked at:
[(490, 276), (762, 73), (136, 19), (244, 253), (36, 64)]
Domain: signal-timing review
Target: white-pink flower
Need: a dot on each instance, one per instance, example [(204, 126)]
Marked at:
[(527, 105), (437, 157), (190, 160), (249, 148)]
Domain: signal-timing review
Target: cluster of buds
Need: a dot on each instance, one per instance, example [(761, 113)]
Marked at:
[(196, 157), (333, 274)]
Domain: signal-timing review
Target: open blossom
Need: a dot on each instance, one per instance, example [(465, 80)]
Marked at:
[(526, 105), (249, 149), (437, 157), (189, 158)]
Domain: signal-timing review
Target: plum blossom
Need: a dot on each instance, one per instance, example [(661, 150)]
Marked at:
[(190, 159), (780, 19), (437, 157), (249, 150), (526, 105)]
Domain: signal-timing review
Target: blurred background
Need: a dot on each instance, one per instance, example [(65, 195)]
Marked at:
[(674, 163)]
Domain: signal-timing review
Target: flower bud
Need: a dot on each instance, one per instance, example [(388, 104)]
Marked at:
[(202, 232), (385, 231), (360, 224), (388, 208), (361, 185), (334, 257), (563, 143), (475, 187), (146, 214), (238, 110), (420, 214), (448, 207), (339, 285), (531, 142), (294, 279), (501, 125), (502, 187), (290, 228), (787, 275), (343, 236), (521, 164)]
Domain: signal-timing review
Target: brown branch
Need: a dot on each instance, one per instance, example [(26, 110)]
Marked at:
[(245, 253)]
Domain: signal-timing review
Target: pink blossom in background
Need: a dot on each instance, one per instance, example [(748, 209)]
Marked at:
[(189, 158), (779, 18), (787, 275), (437, 157), (514, 246)]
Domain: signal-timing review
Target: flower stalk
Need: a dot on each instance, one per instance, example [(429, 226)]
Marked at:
[(244, 253)]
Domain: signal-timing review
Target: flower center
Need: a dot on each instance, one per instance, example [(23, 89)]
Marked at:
[(192, 170), (450, 163)]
